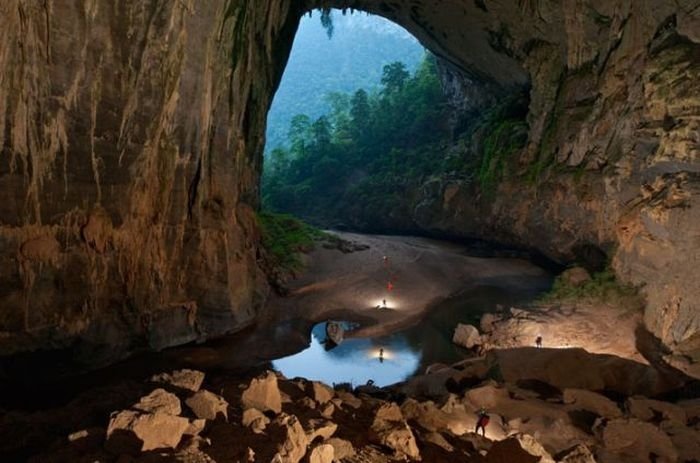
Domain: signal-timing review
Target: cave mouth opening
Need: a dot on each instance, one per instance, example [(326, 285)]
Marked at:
[(367, 120)]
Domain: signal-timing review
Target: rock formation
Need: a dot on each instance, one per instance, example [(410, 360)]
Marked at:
[(132, 136), (529, 422), (131, 141), (611, 160)]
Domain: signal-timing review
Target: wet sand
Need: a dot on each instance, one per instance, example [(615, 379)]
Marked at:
[(351, 286), (417, 274)]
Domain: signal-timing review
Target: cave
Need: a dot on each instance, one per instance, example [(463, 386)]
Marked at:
[(132, 147)]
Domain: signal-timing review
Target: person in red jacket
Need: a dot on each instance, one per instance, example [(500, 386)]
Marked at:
[(482, 421)]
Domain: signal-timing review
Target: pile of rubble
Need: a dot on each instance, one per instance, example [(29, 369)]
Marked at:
[(545, 405)]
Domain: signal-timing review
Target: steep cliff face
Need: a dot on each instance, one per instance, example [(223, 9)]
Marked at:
[(129, 171), (132, 136), (611, 161), (612, 158)]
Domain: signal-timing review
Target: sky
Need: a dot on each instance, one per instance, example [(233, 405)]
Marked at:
[(353, 58)]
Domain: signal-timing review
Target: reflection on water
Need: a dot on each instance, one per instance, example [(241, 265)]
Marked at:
[(353, 361), (404, 353)]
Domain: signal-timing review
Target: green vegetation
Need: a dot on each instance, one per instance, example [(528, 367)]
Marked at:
[(284, 238), (361, 44), (360, 158), (364, 162), (505, 133), (602, 287)]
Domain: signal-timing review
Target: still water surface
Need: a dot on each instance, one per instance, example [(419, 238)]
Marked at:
[(406, 352)]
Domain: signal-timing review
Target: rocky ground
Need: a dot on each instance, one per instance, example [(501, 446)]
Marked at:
[(592, 393), (546, 405)]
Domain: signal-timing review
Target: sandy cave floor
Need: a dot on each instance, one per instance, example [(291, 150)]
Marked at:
[(422, 272)]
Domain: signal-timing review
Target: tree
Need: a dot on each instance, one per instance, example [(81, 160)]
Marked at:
[(298, 134), (279, 160), (360, 113), (321, 130), (394, 76), (359, 160)]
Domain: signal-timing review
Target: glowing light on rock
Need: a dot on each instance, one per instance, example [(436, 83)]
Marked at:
[(385, 303), (385, 355)]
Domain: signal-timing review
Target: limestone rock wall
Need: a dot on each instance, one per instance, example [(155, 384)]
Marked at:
[(132, 137), (612, 159), (129, 176)]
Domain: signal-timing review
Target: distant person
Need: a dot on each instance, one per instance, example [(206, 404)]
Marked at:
[(538, 341), (383, 303), (381, 355), (482, 421)]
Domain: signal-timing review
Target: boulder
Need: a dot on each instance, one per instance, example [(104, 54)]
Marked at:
[(327, 410), (477, 442), (433, 385), (390, 430), (691, 408), (438, 439), (531, 446), (466, 336), (263, 393), (397, 436), (308, 402), (388, 412), (131, 431), (255, 420), (509, 451), (633, 440), (338, 403), (320, 392), (319, 428), (575, 276), (195, 427), (342, 448), (518, 313), (89, 433), (580, 399), (190, 380), (299, 383), (578, 454), (349, 399), (87, 440), (292, 445), (207, 405), (453, 403), (159, 401), (487, 322), (655, 410), (370, 389), (323, 453), (686, 441), (487, 396), (78, 435), (431, 418), (575, 368)]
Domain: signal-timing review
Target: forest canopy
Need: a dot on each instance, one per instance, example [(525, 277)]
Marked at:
[(364, 151)]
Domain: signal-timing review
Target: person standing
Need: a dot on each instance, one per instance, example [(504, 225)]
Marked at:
[(482, 421)]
